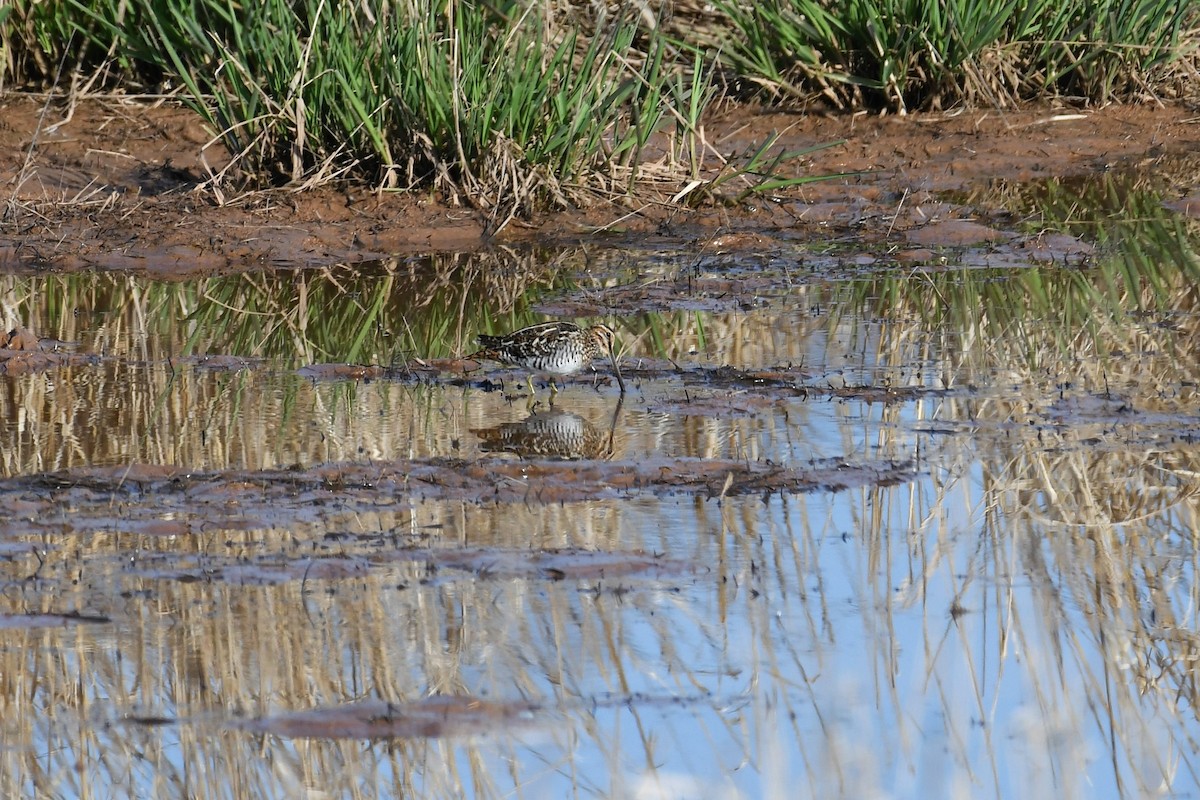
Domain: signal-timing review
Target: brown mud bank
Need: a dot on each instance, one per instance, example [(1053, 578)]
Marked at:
[(51, 518), (166, 501), (113, 185)]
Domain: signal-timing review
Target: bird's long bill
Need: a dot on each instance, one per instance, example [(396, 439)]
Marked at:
[(612, 356)]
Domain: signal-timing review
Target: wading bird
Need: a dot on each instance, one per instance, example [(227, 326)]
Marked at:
[(552, 348)]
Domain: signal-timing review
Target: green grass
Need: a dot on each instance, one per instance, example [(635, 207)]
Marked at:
[(505, 112), (906, 54), (511, 109)]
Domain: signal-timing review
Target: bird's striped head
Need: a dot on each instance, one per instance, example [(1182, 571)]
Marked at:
[(605, 339)]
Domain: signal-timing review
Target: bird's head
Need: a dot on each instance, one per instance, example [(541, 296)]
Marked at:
[(606, 338)]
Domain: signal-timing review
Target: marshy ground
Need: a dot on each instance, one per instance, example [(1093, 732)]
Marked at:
[(902, 499), (110, 188)]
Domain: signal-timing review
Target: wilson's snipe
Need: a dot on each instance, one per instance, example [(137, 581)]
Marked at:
[(555, 348)]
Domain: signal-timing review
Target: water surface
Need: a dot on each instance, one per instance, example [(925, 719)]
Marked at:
[(226, 574)]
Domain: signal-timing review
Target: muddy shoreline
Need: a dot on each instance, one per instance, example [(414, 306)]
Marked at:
[(113, 188)]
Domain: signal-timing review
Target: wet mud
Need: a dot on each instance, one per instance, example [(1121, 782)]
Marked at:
[(135, 499), (113, 187), (436, 717)]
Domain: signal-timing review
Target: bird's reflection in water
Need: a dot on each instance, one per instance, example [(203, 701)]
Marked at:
[(551, 434)]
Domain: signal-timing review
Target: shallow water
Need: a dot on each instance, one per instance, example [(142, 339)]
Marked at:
[(860, 528)]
